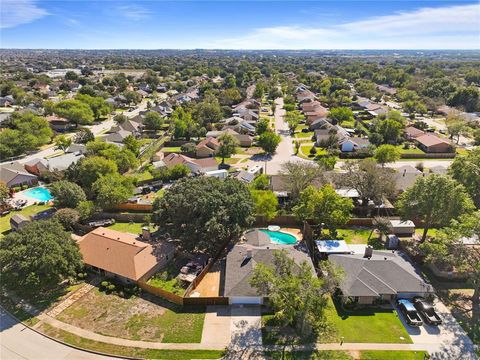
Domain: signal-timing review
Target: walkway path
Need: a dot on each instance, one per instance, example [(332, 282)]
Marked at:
[(73, 297), (245, 332)]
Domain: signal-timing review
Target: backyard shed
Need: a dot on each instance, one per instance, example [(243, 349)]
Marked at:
[(402, 227)]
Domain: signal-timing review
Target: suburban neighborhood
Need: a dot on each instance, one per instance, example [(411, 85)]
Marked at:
[(239, 204)]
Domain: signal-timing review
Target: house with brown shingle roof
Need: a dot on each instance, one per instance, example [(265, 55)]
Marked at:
[(433, 144), (412, 132), (122, 255), (207, 147)]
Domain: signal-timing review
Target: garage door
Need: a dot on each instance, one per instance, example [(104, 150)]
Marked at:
[(245, 300)]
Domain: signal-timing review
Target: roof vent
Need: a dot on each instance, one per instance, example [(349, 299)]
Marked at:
[(118, 238), (368, 252), (384, 258), (103, 234)]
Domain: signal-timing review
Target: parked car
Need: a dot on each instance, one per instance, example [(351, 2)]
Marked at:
[(427, 311), (408, 310)]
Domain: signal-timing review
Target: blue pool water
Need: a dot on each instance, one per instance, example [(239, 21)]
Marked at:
[(39, 194), (281, 237)]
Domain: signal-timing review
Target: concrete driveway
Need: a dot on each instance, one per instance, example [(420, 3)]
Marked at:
[(19, 342), (447, 341)]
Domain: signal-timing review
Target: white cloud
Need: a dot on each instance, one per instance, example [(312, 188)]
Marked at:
[(134, 12), (18, 12), (451, 27)]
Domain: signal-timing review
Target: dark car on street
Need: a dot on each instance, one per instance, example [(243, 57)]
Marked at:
[(427, 311), (408, 310)]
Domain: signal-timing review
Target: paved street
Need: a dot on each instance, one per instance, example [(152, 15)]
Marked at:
[(19, 342)]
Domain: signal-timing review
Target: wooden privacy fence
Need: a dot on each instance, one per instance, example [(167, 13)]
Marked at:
[(429, 156), (290, 220), (176, 299), (134, 207)]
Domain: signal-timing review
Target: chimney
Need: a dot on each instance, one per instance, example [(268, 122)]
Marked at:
[(249, 253), (368, 252)]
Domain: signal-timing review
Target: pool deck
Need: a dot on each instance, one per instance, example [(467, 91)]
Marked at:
[(30, 201)]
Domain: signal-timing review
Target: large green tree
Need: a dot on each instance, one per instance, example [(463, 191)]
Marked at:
[(228, 146), (435, 200), (75, 111), (97, 104), (204, 212), (298, 297), (40, 255), (386, 154), (269, 142), (371, 181), (325, 206), (297, 176), (266, 203), (66, 194), (92, 168), (340, 114), (112, 190), (153, 121), (466, 170)]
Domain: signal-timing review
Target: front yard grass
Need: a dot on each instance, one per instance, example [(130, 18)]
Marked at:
[(145, 318), (128, 351), (30, 210), (368, 325), (348, 355), (411, 150)]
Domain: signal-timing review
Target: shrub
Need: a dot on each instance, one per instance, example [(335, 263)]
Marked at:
[(111, 287), (104, 284)]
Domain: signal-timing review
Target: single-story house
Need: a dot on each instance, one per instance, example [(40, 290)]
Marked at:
[(354, 143), (405, 177), (77, 148), (244, 140), (207, 147), (62, 162), (37, 166), (118, 136), (319, 123), (256, 248), (58, 123), (195, 165), (122, 255), (378, 276), (413, 133), (433, 144), (14, 174), (18, 221), (248, 114)]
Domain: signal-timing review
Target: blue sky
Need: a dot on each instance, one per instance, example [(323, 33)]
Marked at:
[(111, 24)]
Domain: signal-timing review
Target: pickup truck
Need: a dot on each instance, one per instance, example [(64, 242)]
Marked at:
[(408, 310), (427, 311)]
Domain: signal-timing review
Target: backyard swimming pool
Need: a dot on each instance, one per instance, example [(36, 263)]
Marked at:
[(39, 194), (281, 237)]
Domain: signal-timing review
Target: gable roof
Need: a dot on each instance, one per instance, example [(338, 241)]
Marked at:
[(384, 273), (238, 268), (117, 252), (430, 140), (10, 171), (413, 132)]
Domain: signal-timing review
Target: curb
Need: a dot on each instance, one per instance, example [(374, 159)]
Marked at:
[(70, 345)]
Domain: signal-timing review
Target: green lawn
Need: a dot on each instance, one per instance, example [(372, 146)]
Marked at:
[(229, 161), (344, 355), (350, 124), (431, 232), (392, 355), (304, 151), (411, 150), (129, 351), (133, 228), (171, 149), (368, 325), (304, 135), (355, 235), (143, 176), (30, 210)]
